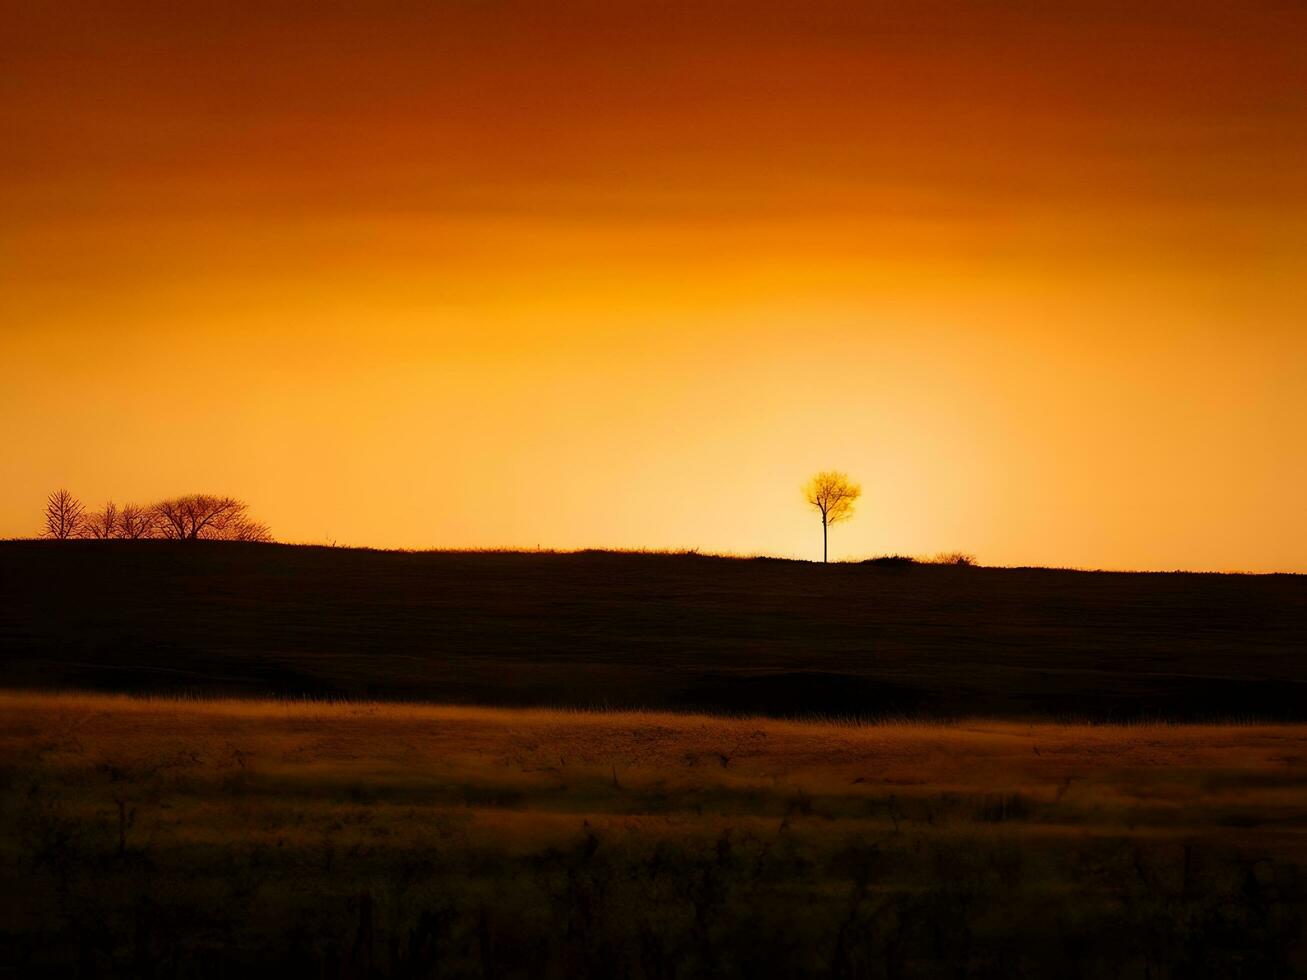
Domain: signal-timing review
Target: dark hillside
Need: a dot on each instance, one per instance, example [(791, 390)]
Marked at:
[(650, 630)]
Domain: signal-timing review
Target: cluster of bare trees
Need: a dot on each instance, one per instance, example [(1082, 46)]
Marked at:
[(194, 517)]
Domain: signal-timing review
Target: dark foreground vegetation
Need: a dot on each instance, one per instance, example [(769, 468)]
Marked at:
[(655, 631), (156, 839)]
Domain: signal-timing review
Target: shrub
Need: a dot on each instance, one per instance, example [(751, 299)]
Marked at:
[(891, 561)]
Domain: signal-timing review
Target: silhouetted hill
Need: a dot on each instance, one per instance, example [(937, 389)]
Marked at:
[(671, 631)]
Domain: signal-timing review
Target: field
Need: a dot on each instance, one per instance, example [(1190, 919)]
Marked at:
[(675, 632), (356, 764), (157, 837)]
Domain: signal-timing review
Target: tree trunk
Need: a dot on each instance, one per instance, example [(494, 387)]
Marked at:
[(823, 539)]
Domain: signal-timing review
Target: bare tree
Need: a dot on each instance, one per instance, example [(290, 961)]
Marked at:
[(136, 522), (101, 523), (201, 516), (833, 494), (246, 529), (63, 515)]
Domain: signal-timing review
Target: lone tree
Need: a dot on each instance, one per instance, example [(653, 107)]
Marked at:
[(63, 515), (833, 495), (202, 516)]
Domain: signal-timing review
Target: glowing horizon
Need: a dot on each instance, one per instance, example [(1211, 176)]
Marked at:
[(623, 275)]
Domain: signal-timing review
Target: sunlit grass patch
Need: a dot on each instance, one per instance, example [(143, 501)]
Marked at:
[(490, 834)]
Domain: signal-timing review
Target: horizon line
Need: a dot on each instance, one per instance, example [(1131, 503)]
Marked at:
[(906, 560)]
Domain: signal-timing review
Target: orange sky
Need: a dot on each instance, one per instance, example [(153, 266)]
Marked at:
[(625, 274)]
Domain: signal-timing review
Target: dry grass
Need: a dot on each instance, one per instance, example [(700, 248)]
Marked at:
[(371, 839)]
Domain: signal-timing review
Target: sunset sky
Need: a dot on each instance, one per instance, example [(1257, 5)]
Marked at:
[(620, 274)]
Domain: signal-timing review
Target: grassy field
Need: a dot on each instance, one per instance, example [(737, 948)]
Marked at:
[(195, 838), (651, 631)]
